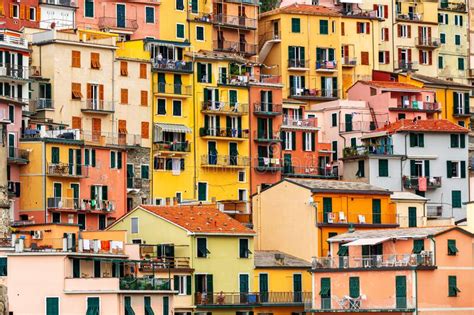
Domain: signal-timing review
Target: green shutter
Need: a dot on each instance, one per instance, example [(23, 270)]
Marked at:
[(453, 286), (354, 288), (188, 285), (55, 155), (209, 73), (376, 211), (412, 217), (93, 157), (148, 308), (93, 306), (452, 249), (413, 168), (176, 283), (456, 199), (166, 305), (401, 292), (293, 140), (76, 268), (427, 168), (71, 161), (460, 63), (383, 168), (52, 306), (454, 141), (449, 169), (361, 168), (418, 246), (327, 208), (412, 140), (295, 25), (466, 103), (210, 284), (179, 30), (462, 141), (421, 140), (112, 159), (455, 103), (463, 169), (325, 293)]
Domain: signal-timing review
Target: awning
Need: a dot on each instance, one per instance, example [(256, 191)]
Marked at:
[(375, 134), (173, 128), (367, 241)]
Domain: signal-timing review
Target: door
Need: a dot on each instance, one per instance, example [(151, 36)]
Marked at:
[(233, 153), (202, 191), (376, 211), (57, 193), (81, 220), (401, 291), (244, 288), (120, 15), (242, 15), (327, 208), (212, 152), (11, 145), (276, 30), (411, 216), (287, 167), (75, 195), (297, 288), (242, 42), (263, 286)]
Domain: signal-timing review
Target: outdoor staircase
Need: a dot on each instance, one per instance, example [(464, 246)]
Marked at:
[(266, 47)]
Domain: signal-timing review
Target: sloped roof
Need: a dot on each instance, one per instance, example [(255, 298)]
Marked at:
[(416, 232), (268, 259), (406, 195), (426, 125), (328, 186), (305, 9), (199, 219), (439, 82), (391, 85)]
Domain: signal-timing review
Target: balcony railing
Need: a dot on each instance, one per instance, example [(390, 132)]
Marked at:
[(176, 89), (357, 126), (268, 164), (98, 106), (13, 71), (427, 42), (356, 12), (251, 2), (250, 298), (60, 203), (359, 217), (224, 160), (111, 138), (410, 17), (308, 171), (264, 136), (418, 105), (217, 107), (236, 21), (425, 258), (326, 65), (158, 263), (453, 6), (349, 62), (16, 155), (267, 109), (173, 146), (367, 150), (406, 65), (113, 22), (235, 47), (145, 284), (13, 41), (291, 122), (413, 182), (298, 63), (435, 210), (313, 93), (172, 65), (224, 132), (361, 304), (67, 170), (265, 79), (41, 104), (65, 3), (240, 80)]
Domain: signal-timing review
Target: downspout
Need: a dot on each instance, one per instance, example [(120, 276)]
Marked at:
[(44, 182), (446, 103), (416, 291), (394, 4), (194, 132), (404, 158)]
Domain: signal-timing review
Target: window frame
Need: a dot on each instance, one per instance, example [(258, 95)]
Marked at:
[(203, 255), (137, 220), (146, 15), (203, 33), (184, 30)]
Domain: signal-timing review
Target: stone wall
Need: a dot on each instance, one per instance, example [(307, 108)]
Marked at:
[(141, 187)]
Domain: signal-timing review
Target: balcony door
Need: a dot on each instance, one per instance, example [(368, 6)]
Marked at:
[(244, 288), (297, 288), (57, 193), (120, 15), (212, 152)]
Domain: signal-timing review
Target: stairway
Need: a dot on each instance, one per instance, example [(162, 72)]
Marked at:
[(266, 48)]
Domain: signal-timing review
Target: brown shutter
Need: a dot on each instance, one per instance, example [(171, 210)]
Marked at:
[(27, 12), (387, 57), (358, 28), (76, 91), (122, 126), (123, 96), (429, 33), (89, 91), (144, 98), (123, 68), (367, 28), (386, 36), (11, 10), (76, 59), (409, 31), (409, 55), (385, 11), (22, 11), (419, 33), (420, 56), (101, 92), (430, 57), (95, 60), (399, 30), (143, 71), (96, 128), (76, 122), (343, 31), (145, 129), (364, 56), (346, 51)]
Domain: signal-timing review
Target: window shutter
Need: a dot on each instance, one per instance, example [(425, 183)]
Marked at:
[(412, 168), (466, 103), (313, 141), (343, 31), (409, 31), (188, 285), (367, 28), (145, 129), (304, 140), (143, 71), (385, 11), (209, 73), (463, 169), (176, 283), (449, 169), (455, 103), (427, 168), (421, 140), (123, 68), (412, 139), (199, 72), (119, 160), (462, 141), (144, 98), (456, 199), (354, 289), (210, 284), (293, 140)]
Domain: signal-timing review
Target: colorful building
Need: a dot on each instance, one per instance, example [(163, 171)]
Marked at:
[(17, 15), (219, 250), (297, 216), (408, 259)]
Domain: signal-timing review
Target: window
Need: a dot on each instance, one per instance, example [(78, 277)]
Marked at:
[(143, 71), (95, 60), (182, 284), (442, 38), (384, 57), (456, 199), (244, 251), (76, 93), (145, 171), (334, 120), (323, 27), (325, 293), (55, 155), (149, 15), (381, 11), (15, 11), (452, 286), (458, 21), (180, 5), (404, 31), (452, 249), (425, 57), (457, 40), (418, 246), (243, 194), (443, 18), (385, 34), (417, 140), (204, 72), (123, 96), (75, 59), (363, 28), (354, 287), (11, 113), (241, 176), (116, 159), (93, 305), (97, 269), (440, 62), (147, 304), (166, 305), (176, 108), (309, 139), (461, 64), (3, 266), (144, 98), (456, 169), (123, 68), (334, 148), (458, 141), (52, 306), (364, 58), (134, 225), (180, 31), (89, 8), (383, 168), (199, 33), (460, 103), (360, 168), (295, 25), (202, 250), (290, 143)]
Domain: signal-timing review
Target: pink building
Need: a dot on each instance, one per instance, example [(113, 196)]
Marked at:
[(398, 100), (133, 19), (401, 271)]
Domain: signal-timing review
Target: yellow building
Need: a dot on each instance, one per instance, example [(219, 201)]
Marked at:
[(454, 97), (283, 282), (219, 250), (297, 216)]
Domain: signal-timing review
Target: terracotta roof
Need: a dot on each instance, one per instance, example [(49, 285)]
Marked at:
[(390, 85), (426, 125), (204, 219), (305, 9), (435, 81)]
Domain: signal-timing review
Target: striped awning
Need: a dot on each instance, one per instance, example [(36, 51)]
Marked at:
[(172, 128)]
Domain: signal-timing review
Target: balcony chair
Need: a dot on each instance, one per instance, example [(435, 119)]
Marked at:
[(404, 261), (342, 217), (361, 218), (390, 262)]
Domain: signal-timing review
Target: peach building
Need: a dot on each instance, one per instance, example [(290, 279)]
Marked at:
[(424, 270), (88, 273)]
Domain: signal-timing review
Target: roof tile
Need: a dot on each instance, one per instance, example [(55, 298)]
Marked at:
[(392, 85), (426, 125)]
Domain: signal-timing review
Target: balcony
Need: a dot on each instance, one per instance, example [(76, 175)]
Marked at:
[(314, 94), (356, 12), (357, 126), (405, 66), (116, 23), (413, 182), (234, 21), (169, 65), (151, 255), (60, 203), (224, 161), (361, 304), (67, 170), (224, 108), (308, 172), (265, 79), (235, 47), (417, 106), (41, 104), (326, 66), (145, 284), (410, 17), (64, 3), (174, 89), (343, 218), (427, 42), (267, 164), (173, 147), (226, 299), (365, 150), (228, 133), (459, 111), (266, 137), (234, 80), (348, 62), (13, 72), (18, 156), (13, 41), (298, 64), (453, 6), (267, 109), (95, 106), (423, 259), (297, 123)]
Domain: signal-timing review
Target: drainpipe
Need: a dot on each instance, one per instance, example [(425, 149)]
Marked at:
[(416, 291), (404, 158), (446, 103), (194, 132), (44, 182)]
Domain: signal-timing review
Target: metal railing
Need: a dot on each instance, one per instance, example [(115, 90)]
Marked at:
[(267, 163), (359, 13), (262, 108), (251, 2), (173, 146), (326, 65), (265, 136), (359, 304), (111, 138), (67, 170), (177, 89), (224, 107), (406, 65), (453, 6), (359, 217), (224, 132), (298, 63), (114, 22), (410, 16), (364, 150), (145, 284), (235, 47), (289, 121), (429, 42), (172, 65), (419, 105), (240, 80), (425, 258), (96, 105), (265, 78), (41, 104), (347, 61), (250, 298), (14, 71), (13, 40), (224, 160), (413, 182), (18, 154), (308, 171), (158, 263), (435, 210), (233, 20), (310, 93), (81, 204), (66, 3)]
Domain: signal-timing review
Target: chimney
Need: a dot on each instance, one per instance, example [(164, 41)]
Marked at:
[(280, 259), (168, 201), (175, 201)]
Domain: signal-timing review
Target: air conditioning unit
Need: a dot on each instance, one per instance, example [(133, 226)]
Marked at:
[(37, 235)]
